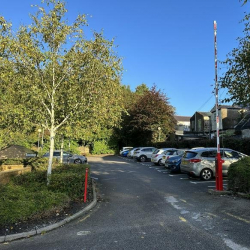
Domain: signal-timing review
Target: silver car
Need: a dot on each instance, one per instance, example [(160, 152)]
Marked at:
[(158, 154), (143, 154), (200, 162), (68, 157)]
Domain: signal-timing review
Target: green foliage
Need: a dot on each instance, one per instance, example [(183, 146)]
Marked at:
[(13, 161), (239, 176), (241, 145), (101, 147), (149, 110), (236, 78), (20, 204), (77, 80), (27, 196), (69, 179)]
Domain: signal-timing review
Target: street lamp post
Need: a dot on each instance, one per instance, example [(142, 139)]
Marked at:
[(39, 132), (159, 129)]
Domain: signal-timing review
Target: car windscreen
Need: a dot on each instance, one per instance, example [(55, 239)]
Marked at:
[(189, 154)]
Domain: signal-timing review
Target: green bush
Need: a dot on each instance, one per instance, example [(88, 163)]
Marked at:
[(69, 179), (241, 145), (239, 176), (12, 161), (19, 203), (101, 147), (27, 196)]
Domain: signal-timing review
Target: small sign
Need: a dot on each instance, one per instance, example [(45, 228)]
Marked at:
[(31, 155)]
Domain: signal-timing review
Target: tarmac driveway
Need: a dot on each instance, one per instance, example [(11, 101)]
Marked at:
[(140, 206)]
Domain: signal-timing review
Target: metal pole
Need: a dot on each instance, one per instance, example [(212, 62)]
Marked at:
[(86, 185), (218, 161)]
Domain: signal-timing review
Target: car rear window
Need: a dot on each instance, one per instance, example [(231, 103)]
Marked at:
[(170, 152), (156, 151), (190, 154), (211, 153)]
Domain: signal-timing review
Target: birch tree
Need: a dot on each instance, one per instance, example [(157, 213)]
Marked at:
[(60, 77)]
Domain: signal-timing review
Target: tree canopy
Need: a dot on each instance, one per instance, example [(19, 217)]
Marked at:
[(149, 111), (53, 77), (237, 76)]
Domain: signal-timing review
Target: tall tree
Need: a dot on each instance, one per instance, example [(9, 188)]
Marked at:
[(237, 77), (60, 78), (150, 110)]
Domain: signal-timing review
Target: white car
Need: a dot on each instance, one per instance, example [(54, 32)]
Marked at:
[(131, 152), (143, 154), (158, 154)]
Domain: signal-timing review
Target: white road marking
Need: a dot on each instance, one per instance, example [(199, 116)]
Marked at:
[(233, 245), (83, 233)]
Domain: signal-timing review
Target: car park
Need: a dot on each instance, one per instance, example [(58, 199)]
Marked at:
[(171, 153), (200, 162), (68, 157), (158, 154), (143, 154)]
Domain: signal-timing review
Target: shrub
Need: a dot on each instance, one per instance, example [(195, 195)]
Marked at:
[(239, 176), (101, 147), (19, 203), (12, 161), (69, 179), (27, 196)]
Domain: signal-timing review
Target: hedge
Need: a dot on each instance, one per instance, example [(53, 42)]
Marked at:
[(239, 176)]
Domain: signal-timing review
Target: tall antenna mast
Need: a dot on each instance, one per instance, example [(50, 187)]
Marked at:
[(218, 161)]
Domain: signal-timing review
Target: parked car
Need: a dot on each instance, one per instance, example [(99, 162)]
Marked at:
[(131, 152), (143, 154), (68, 157), (200, 162), (125, 153), (125, 149), (158, 154), (171, 153), (174, 163)]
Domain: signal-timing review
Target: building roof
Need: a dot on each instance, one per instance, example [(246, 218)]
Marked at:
[(182, 118), (226, 107), (15, 151), (204, 113)]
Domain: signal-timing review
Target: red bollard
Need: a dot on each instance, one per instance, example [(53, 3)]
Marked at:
[(86, 185)]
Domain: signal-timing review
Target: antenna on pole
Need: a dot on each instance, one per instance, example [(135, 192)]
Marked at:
[(218, 161)]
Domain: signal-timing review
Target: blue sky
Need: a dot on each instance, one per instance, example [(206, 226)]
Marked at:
[(168, 43)]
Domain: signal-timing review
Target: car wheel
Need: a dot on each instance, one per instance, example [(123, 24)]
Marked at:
[(143, 158), (160, 162), (206, 174), (78, 161)]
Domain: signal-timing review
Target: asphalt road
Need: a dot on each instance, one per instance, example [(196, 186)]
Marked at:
[(142, 206)]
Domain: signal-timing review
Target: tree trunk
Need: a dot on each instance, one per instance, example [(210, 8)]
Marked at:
[(61, 156), (51, 151)]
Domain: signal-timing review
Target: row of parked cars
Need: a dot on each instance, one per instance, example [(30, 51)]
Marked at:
[(197, 162)]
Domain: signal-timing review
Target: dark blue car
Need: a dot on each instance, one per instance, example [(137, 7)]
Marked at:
[(174, 164), (125, 153)]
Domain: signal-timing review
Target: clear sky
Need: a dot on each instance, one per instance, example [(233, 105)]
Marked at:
[(168, 43)]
